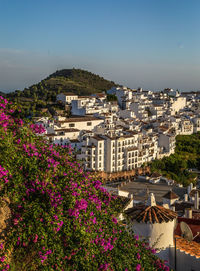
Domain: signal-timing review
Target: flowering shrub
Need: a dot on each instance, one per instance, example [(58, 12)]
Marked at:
[(62, 219)]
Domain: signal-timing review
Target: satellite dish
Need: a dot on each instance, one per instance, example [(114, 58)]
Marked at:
[(186, 231)]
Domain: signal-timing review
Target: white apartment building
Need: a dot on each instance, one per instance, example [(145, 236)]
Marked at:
[(186, 127), (63, 136), (196, 126), (88, 106), (81, 123), (66, 98), (139, 109), (167, 142), (158, 110), (92, 153), (176, 104), (123, 94), (120, 153)]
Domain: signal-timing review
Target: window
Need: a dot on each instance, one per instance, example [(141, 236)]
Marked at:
[(100, 145), (119, 150), (99, 164), (99, 151), (113, 144), (113, 150), (113, 157), (71, 125), (89, 123), (99, 158)]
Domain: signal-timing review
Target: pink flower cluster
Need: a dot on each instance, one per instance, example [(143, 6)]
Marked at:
[(37, 128), (60, 206), (3, 174)]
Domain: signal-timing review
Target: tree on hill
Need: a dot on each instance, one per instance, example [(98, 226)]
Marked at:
[(77, 81), (61, 217)]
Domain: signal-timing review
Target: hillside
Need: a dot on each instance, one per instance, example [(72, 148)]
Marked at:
[(78, 81), (42, 96), (61, 218)]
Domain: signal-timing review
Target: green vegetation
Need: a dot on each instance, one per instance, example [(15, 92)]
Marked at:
[(187, 156), (111, 97), (62, 218), (40, 99)]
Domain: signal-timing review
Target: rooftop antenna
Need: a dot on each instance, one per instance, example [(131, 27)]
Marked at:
[(186, 232)]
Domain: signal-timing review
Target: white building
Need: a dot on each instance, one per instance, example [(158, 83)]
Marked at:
[(66, 98), (167, 142), (196, 127), (81, 123), (89, 106), (176, 104), (154, 223)]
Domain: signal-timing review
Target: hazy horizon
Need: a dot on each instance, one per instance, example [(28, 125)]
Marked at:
[(149, 44)]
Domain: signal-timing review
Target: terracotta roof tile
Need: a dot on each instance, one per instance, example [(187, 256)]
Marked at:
[(151, 214), (189, 247)]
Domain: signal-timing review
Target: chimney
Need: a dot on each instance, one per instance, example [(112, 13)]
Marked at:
[(196, 201), (151, 200), (188, 213), (185, 197)]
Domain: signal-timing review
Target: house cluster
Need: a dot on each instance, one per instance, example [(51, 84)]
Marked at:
[(122, 135), (171, 226)]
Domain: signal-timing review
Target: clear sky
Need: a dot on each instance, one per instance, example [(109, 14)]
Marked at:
[(148, 43)]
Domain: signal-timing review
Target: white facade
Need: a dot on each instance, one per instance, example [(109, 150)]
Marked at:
[(66, 98), (89, 105), (196, 127), (167, 141), (85, 123), (177, 104)]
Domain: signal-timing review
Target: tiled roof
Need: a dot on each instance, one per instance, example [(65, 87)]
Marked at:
[(189, 247), (170, 195), (151, 214)]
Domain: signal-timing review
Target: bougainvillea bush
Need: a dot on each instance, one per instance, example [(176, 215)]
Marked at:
[(62, 219)]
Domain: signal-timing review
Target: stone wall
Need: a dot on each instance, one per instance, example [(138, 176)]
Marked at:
[(122, 174)]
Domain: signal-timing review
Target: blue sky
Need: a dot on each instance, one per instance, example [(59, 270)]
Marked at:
[(149, 43)]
